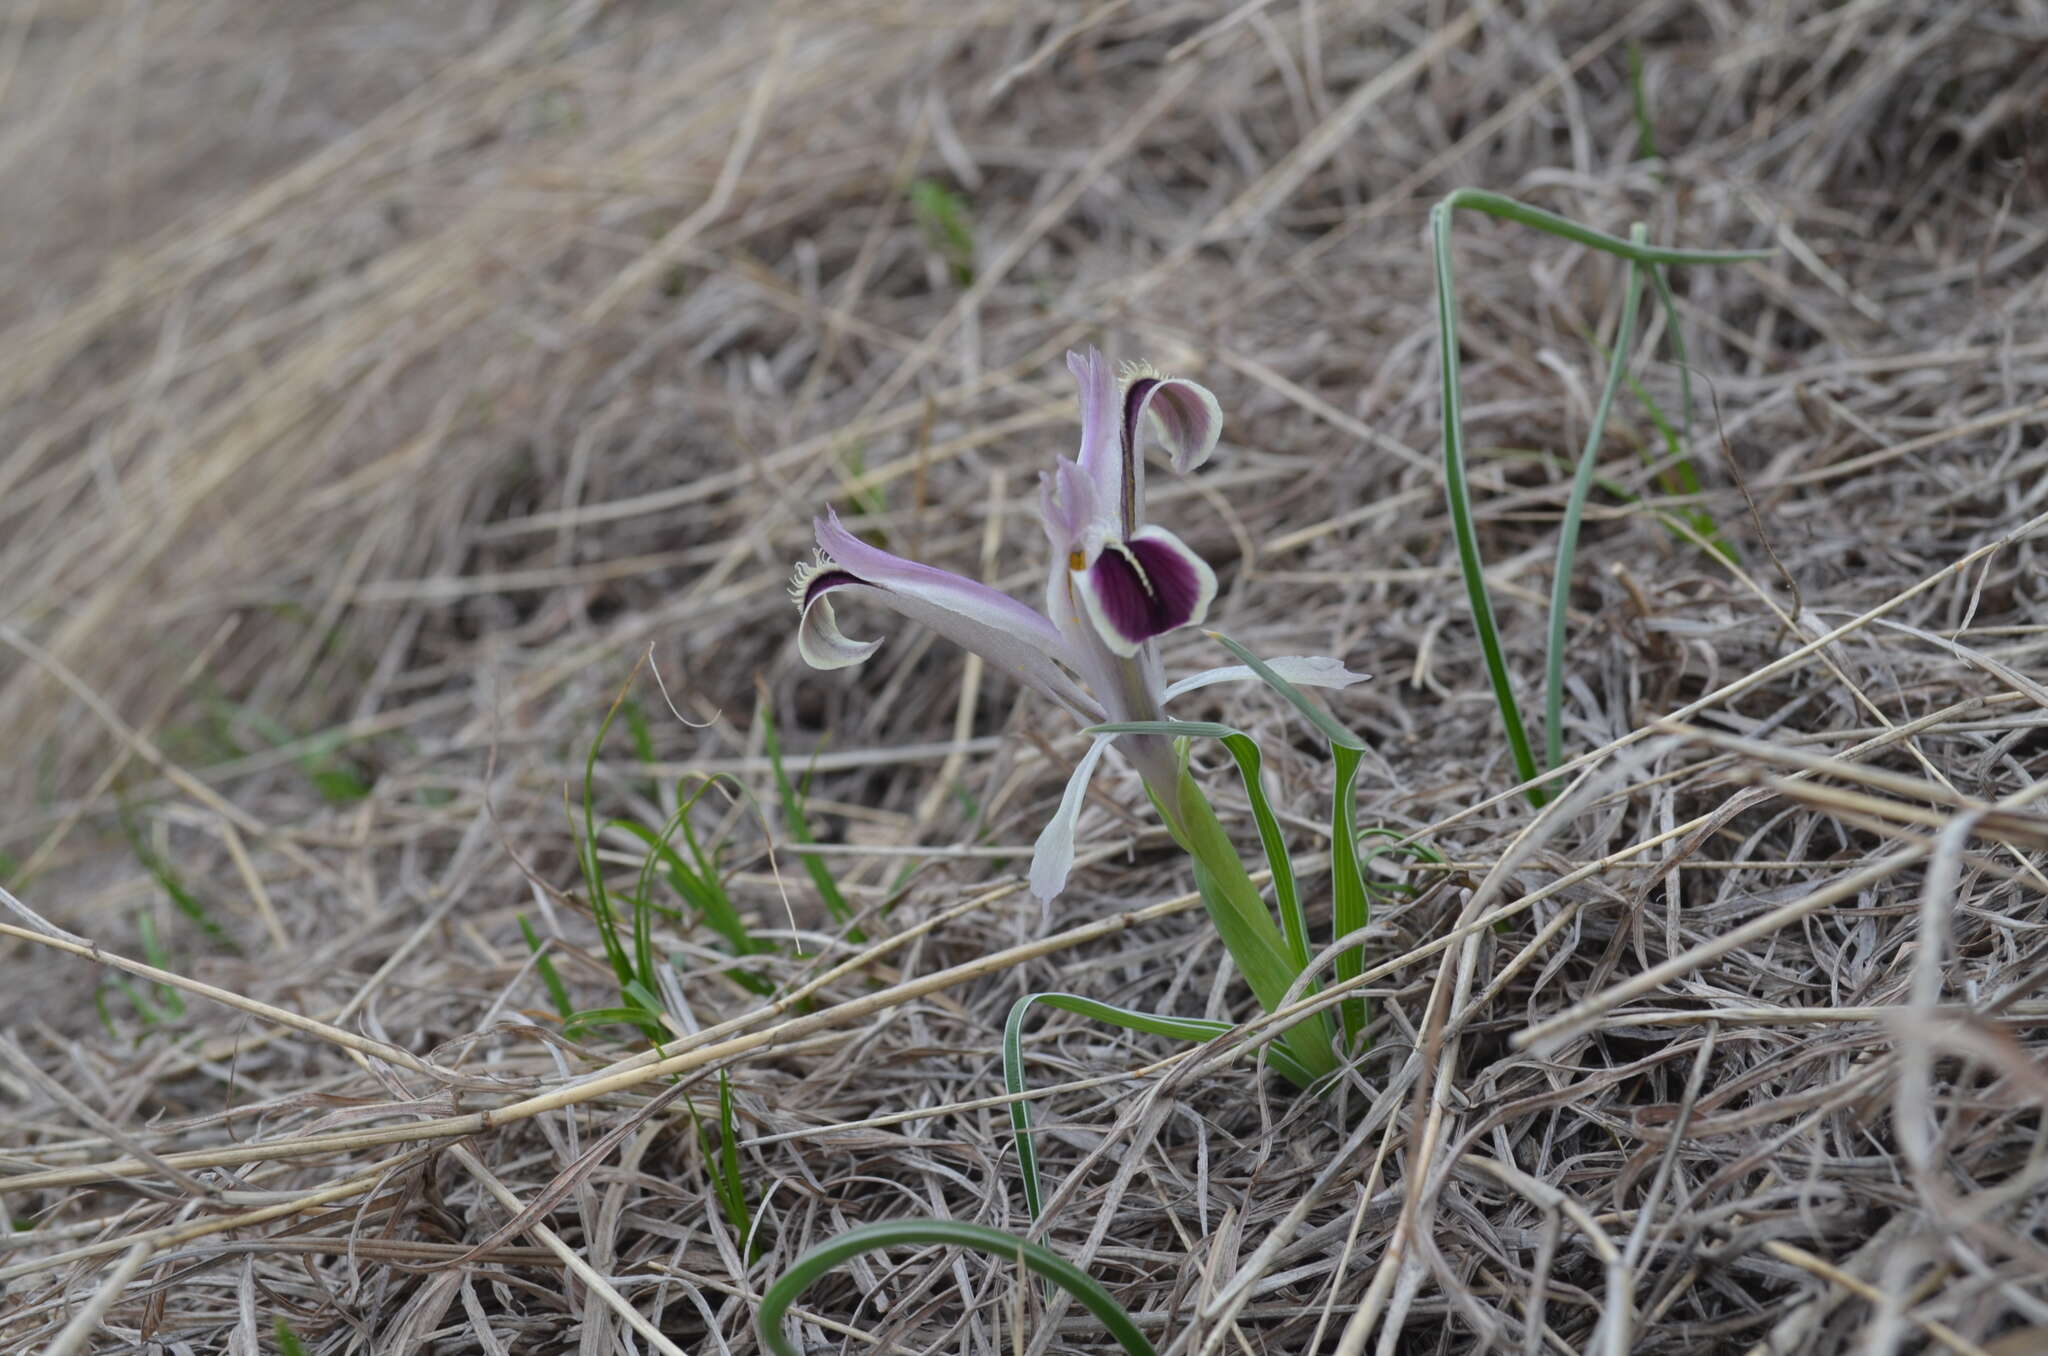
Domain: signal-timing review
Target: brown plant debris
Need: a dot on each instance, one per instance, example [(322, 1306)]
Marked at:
[(385, 382)]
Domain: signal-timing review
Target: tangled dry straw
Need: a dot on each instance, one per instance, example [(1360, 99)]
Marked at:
[(383, 382)]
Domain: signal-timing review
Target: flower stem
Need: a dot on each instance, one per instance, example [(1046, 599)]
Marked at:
[(1242, 918)]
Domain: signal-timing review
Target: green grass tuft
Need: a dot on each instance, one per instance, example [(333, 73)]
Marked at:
[(948, 226)]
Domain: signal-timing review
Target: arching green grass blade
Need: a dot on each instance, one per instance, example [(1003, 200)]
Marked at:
[(978, 1237), (1575, 512), (1499, 205), (722, 1165), (544, 966), (1192, 1029), (1350, 906), (1397, 847), (1458, 495), (1456, 489), (1326, 724)]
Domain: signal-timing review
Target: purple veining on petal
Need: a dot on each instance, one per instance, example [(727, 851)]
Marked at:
[(1146, 587), (1006, 633), (1185, 416)]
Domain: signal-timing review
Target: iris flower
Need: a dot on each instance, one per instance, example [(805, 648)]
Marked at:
[(1116, 584)]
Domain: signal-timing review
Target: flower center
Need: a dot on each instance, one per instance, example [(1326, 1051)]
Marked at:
[(1077, 560)]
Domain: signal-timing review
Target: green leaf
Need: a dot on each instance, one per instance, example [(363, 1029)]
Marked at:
[(635, 1017), (800, 829), (586, 855), (704, 893), (1234, 905), (978, 1237), (544, 966), (1456, 489), (173, 886), (1350, 902), (1459, 497), (1646, 128), (1350, 905), (1575, 512), (1192, 1029), (168, 999), (1396, 846), (732, 1187), (1244, 750), (337, 783), (641, 732), (1326, 724), (1499, 205), (948, 229)]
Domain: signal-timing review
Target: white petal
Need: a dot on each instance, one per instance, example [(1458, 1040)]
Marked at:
[(1303, 670), (1066, 501), (1186, 418), (1052, 857), (823, 645), (994, 625)]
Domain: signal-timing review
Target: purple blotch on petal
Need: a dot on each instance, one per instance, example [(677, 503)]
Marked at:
[(824, 581), (1176, 578), (1146, 587)]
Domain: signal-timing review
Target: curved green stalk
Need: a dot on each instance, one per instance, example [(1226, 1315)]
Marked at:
[(1244, 750), (1192, 1029), (1574, 515), (1459, 496), (1351, 905), (954, 1233), (1350, 908), (1456, 489), (1499, 205)]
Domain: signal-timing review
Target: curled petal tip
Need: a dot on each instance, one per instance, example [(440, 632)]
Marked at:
[(1184, 415), (820, 641)]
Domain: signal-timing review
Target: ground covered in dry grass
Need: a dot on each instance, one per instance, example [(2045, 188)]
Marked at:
[(384, 383)]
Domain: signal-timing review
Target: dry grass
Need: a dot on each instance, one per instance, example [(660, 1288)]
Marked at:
[(383, 381)]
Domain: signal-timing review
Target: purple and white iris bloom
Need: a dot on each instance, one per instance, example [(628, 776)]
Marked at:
[(1115, 586)]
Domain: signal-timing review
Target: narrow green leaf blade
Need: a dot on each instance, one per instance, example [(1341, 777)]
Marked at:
[(544, 966), (1192, 1029), (1325, 723), (1350, 905), (1575, 512), (954, 1233)]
